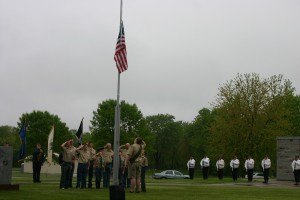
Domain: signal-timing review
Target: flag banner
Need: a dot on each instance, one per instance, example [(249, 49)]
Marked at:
[(22, 135), (50, 145), (120, 53), (80, 132)]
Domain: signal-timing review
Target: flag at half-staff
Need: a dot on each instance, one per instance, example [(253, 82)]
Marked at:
[(79, 132), (120, 53), (22, 135), (50, 145)]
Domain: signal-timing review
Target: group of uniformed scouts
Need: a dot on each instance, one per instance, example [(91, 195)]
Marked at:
[(234, 165), (132, 166)]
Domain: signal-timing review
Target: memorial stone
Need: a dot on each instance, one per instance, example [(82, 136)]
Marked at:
[(6, 161)]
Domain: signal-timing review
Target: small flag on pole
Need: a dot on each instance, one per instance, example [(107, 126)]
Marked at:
[(50, 145), (80, 132), (22, 135), (120, 53)]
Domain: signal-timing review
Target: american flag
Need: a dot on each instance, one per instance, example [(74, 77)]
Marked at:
[(121, 54)]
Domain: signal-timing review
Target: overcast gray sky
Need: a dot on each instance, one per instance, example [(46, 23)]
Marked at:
[(57, 55)]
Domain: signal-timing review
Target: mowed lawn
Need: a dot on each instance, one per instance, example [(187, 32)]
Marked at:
[(156, 190)]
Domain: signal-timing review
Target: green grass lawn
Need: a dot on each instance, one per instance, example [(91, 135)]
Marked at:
[(156, 189)]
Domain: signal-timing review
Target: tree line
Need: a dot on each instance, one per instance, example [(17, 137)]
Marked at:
[(247, 116)]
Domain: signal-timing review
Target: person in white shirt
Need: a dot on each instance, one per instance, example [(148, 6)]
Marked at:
[(204, 163), (191, 167), (266, 165), (296, 169), (220, 164), (234, 164), (249, 166)]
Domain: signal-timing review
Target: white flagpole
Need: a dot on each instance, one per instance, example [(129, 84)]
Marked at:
[(117, 126)]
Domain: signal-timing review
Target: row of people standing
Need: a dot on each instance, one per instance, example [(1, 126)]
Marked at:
[(234, 165), (84, 154), (100, 163)]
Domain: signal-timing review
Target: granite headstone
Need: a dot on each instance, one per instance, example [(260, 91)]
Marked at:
[(6, 161)]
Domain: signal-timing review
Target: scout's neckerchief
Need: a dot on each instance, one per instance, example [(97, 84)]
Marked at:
[(132, 159)]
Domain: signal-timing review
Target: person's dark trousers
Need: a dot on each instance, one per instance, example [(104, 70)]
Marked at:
[(121, 177), (127, 178), (106, 176), (124, 180), (205, 172), (81, 175), (71, 175), (220, 174), (297, 176), (266, 175), (128, 182), (191, 173), (250, 174), (36, 166), (98, 176), (234, 174), (91, 173), (143, 177), (65, 175)]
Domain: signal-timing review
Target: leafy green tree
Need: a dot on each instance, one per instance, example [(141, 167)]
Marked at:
[(167, 135), (10, 135), (250, 114), (132, 122), (198, 133), (293, 105), (39, 124)]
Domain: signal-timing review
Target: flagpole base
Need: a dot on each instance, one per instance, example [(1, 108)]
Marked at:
[(116, 192)]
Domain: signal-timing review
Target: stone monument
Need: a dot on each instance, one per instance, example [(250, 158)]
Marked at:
[(287, 149), (6, 162)]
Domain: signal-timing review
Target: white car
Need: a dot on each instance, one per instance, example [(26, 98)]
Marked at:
[(170, 174), (256, 175)]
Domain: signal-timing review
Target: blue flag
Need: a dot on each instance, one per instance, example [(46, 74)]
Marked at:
[(22, 135)]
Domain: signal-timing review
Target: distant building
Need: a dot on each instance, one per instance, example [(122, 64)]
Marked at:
[(287, 148)]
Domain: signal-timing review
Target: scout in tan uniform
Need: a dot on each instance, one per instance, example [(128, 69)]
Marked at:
[(68, 157), (92, 153), (72, 164), (98, 167), (83, 159), (134, 165), (125, 178), (107, 156)]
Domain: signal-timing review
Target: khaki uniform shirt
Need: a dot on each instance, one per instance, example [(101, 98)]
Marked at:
[(133, 150), (92, 152), (98, 162), (124, 152), (144, 161), (107, 156), (83, 156), (69, 154)]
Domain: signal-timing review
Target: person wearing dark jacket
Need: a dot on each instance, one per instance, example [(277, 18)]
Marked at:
[(38, 158)]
